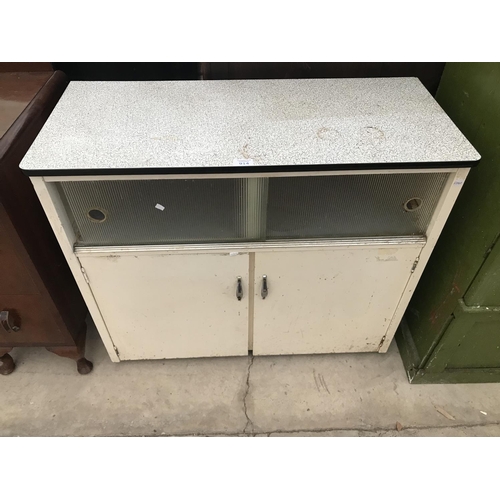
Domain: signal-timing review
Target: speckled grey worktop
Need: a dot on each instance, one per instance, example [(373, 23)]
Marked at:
[(183, 125)]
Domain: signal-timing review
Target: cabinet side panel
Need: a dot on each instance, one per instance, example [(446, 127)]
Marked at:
[(448, 198), (58, 219)]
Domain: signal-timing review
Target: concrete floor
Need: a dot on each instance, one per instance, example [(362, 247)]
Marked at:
[(322, 395)]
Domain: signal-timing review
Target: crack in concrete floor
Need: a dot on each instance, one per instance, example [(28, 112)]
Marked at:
[(255, 396), (362, 432), (247, 390)]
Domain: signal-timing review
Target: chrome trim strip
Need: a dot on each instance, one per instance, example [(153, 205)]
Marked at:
[(254, 246)]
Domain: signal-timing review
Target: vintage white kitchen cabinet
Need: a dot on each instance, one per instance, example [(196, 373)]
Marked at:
[(214, 218)]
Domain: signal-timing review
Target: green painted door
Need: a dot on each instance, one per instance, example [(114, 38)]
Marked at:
[(472, 340)]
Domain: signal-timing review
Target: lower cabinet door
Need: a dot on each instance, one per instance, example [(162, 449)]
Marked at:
[(171, 305), (325, 301)]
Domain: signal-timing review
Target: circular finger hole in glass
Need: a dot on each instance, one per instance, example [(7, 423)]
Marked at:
[(96, 215), (413, 204)]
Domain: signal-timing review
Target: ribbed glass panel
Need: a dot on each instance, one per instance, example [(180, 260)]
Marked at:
[(352, 205), (253, 208), (165, 211), (134, 212)]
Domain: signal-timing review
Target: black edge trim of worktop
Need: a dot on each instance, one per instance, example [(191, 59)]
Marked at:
[(255, 169)]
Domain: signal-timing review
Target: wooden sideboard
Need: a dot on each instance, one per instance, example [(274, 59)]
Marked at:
[(40, 304)]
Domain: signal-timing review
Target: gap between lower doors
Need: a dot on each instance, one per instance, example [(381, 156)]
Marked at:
[(251, 298)]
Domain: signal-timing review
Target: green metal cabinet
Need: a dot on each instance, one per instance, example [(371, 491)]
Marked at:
[(451, 329)]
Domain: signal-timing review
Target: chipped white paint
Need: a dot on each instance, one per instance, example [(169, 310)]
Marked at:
[(384, 254), (328, 300), (172, 306)]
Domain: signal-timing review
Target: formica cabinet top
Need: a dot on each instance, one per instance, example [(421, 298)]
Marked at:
[(246, 126)]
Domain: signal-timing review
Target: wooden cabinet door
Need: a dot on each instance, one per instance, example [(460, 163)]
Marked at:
[(323, 301), (171, 305)]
